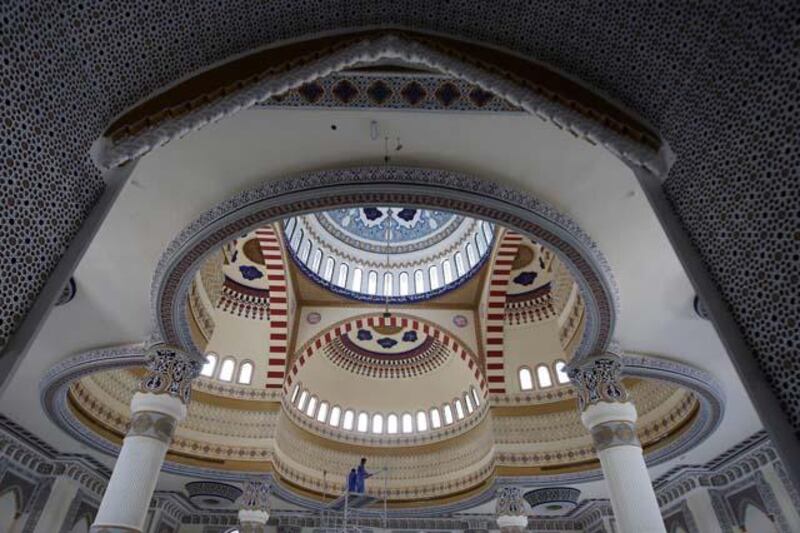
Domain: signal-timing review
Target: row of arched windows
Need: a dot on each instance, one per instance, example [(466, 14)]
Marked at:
[(373, 283), (544, 377), (228, 369), (377, 423)]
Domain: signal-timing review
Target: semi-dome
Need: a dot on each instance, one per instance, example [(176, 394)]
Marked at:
[(396, 254)]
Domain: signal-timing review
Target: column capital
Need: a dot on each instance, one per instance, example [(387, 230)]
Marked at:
[(170, 371), (255, 495), (597, 379), (510, 508)]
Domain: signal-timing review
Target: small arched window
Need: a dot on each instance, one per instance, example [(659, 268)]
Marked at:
[(408, 423), (316, 261), (480, 243), (388, 284), (447, 271), (295, 392), (342, 280), (476, 397), (377, 423), (227, 369), (561, 372), (448, 414), (209, 366), (488, 231), (245, 373), (525, 378), (433, 272), (289, 228), (468, 403), (312, 406), (327, 275), (459, 409), (322, 412), (436, 419), (419, 282), (471, 257), (392, 424), (403, 283), (349, 418), (543, 376), (422, 421), (301, 403), (305, 250), (336, 413), (296, 238), (355, 283), (460, 264), (372, 282), (363, 422)]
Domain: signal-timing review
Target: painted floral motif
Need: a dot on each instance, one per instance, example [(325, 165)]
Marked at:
[(364, 335), (410, 336), (386, 342), (250, 272), (525, 278)]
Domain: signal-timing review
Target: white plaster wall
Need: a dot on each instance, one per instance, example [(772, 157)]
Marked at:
[(244, 339)]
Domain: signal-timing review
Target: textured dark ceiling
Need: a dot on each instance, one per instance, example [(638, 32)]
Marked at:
[(718, 79)]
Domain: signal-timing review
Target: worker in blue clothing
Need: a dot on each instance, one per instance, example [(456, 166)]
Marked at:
[(352, 480), (361, 475)]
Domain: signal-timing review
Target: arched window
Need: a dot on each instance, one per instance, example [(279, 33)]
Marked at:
[(403, 283), (433, 272), (336, 414), (436, 419), (525, 378), (448, 414), (468, 403), (377, 423), (327, 275), (476, 397), (305, 250), (316, 261), (388, 284), (447, 271), (459, 409), (363, 422), (471, 257), (419, 282), (209, 366), (543, 376), (227, 368), (322, 412), (372, 282), (289, 228), (355, 283), (245, 373), (422, 421), (349, 418), (408, 423), (392, 424), (561, 372), (480, 243), (301, 404), (312, 406), (295, 392), (342, 281), (460, 264), (488, 231), (296, 238)]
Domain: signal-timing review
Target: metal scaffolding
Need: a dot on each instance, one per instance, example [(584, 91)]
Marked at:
[(354, 511)]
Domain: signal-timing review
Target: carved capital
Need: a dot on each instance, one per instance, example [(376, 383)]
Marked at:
[(598, 380), (510, 503), (255, 496), (170, 371)]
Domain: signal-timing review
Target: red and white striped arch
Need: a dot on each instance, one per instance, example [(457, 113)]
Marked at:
[(495, 313), (452, 342), (278, 305)]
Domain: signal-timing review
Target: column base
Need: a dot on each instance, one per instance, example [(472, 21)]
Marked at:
[(512, 521)]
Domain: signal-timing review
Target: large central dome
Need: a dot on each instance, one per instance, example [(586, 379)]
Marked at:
[(396, 254)]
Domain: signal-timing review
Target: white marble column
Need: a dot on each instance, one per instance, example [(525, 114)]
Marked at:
[(610, 417), (510, 510), (156, 409), (254, 507)]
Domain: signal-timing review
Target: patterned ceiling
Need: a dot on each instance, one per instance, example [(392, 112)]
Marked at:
[(718, 81)]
